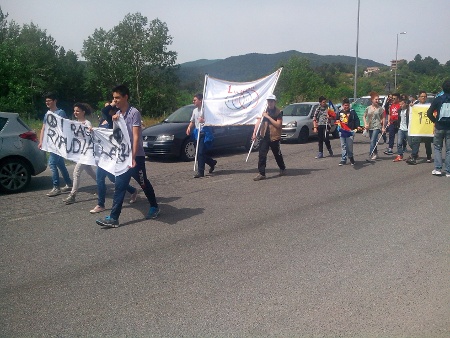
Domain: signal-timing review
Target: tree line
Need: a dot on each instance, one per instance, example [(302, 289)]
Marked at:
[(136, 52)]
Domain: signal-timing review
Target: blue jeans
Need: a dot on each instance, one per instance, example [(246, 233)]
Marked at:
[(122, 182), (401, 139), (392, 130), (439, 137), (346, 147), (101, 185), (56, 162), (373, 134)]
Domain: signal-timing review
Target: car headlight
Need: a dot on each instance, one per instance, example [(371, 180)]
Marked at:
[(165, 138), (291, 124)]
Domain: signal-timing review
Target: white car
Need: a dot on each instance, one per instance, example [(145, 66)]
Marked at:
[(298, 122), (20, 157)]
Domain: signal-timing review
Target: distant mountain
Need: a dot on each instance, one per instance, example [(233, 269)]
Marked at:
[(252, 66)]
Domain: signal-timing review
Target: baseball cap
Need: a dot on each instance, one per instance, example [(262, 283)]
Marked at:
[(271, 97)]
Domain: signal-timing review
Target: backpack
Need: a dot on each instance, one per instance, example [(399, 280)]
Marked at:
[(444, 112)]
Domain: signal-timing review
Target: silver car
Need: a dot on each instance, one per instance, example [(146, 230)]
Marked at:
[(20, 157), (298, 122)]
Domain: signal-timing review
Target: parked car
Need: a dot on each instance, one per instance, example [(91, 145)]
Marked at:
[(20, 157), (169, 137), (298, 122)]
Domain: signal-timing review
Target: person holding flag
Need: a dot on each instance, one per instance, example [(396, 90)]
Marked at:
[(269, 126), (347, 121), (206, 137), (321, 121)]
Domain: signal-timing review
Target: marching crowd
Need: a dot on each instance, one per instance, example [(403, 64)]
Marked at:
[(378, 121)]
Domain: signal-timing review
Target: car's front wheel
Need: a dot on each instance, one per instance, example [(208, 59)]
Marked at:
[(15, 175), (187, 152)]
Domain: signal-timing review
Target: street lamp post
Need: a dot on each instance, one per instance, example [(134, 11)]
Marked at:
[(396, 62), (356, 59)]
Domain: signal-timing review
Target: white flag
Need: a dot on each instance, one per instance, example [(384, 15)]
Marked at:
[(236, 103), (109, 149)]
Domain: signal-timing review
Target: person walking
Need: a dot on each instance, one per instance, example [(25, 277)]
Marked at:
[(321, 122), (392, 125), (403, 122), (80, 110), (206, 137), (347, 121), (106, 122), (132, 117), (439, 113), (374, 123), (414, 141), (269, 126), (55, 161)]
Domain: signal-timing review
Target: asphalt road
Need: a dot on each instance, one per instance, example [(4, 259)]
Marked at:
[(346, 251)]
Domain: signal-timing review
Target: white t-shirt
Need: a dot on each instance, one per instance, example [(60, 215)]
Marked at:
[(403, 125)]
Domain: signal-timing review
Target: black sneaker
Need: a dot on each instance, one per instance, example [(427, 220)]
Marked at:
[(108, 222), (342, 163), (411, 160), (211, 169), (352, 160), (389, 152), (198, 175)]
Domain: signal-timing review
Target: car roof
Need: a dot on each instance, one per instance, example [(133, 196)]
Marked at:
[(8, 115)]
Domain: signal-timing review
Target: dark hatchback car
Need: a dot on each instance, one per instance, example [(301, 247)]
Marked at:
[(169, 137)]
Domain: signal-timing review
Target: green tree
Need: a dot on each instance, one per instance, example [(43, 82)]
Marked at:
[(299, 82), (133, 52)]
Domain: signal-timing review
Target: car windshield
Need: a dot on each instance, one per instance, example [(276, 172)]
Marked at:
[(297, 110), (181, 115)]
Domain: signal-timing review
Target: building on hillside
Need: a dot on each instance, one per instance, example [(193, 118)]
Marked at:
[(371, 71), (395, 63)]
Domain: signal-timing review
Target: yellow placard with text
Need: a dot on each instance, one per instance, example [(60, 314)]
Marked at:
[(419, 123)]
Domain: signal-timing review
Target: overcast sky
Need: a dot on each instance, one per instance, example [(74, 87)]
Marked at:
[(217, 29)]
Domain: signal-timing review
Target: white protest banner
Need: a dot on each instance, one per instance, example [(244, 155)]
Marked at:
[(109, 149), (236, 103)]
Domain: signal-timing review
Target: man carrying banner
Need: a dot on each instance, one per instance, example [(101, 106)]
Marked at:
[(414, 141), (55, 161), (137, 170), (203, 136), (441, 105), (270, 131)]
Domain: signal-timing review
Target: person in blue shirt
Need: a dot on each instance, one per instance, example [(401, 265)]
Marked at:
[(439, 113), (55, 161)]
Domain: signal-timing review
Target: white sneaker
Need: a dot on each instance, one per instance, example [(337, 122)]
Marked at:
[(374, 156), (133, 197), (54, 192), (66, 188), (436, 172), (447, 175)]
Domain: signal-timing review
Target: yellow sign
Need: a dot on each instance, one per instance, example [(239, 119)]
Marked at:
[(419, 123)]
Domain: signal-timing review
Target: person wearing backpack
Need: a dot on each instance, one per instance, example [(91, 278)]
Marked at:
[(441, 106)]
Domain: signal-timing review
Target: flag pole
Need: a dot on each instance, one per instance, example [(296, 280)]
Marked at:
[(265, 108), (200, 126)]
